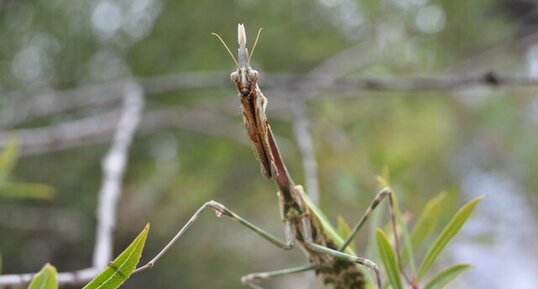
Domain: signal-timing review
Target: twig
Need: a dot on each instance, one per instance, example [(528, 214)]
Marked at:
[(18, 111), (114, 165), (64, 135), (99, 128)]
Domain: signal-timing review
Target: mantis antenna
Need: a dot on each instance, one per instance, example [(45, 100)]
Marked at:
[(254, 46), (228, 49)]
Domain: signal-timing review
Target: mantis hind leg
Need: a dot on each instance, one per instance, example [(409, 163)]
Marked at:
[(222, 211), (251, 279)]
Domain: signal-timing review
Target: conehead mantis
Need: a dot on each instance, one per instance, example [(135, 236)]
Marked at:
[(252, 104), (304, 223)]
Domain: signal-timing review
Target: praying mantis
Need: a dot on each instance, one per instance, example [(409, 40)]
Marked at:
[(305, 225)]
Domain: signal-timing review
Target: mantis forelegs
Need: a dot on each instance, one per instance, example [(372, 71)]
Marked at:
[(251, 279), (221, 210)]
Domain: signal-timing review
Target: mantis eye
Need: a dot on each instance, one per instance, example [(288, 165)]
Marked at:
[(254, 75), (234, 76)]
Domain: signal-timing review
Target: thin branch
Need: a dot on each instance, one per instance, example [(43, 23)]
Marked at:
[(114, 165), (98, 129), (20, 108), (443, 82), (64, 135)]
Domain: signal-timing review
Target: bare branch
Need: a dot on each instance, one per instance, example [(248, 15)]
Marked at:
[(64, 135), (114, 165), (302, 135), (99, 129), (20, 109)]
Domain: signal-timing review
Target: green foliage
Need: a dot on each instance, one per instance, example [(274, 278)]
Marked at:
[(46, 278), (423, 230), (451, 229), (427, 221), (444, 277), (122, 267), (388, 258), (344, 230), (9, 157), (10, 189), (19, 190), (403, 231), (330, 230)]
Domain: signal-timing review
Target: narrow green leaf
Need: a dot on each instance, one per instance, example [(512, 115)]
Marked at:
[(344, 230), (446, 235), (404, 235), (389, 259), (121, 268), (443, 278), (427, 221), (382, 181), (26, 190), (46, 278), (8, 157), (329, 229)]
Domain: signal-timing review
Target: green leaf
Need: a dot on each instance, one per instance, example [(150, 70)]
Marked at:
[(121, 268), (46, 278), (389, 259), (344, 230), (405, 236), (382, 181), (27, 190), (446, 235), (443, 278), (427, 221), (9, 157), (325, 223)]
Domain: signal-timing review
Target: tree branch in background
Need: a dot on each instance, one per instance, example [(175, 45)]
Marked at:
[(20, 108), (303, 137), (330, 70), (114, 166), (99, 129)]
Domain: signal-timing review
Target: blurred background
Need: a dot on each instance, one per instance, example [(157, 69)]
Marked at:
[(344, 102)]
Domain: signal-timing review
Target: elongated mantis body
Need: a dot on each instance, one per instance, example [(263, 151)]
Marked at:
[(304, 223)]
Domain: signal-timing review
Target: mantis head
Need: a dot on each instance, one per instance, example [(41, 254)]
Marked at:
[(244, 78)]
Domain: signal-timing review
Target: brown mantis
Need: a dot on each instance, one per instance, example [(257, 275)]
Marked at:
[(304, 223)]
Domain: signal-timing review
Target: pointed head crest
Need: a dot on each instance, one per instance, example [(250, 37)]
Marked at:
[(241, 36), (242, 53)]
